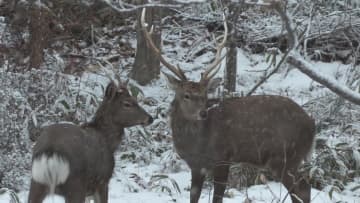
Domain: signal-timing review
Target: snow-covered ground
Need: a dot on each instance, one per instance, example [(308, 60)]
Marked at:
[(140, 183), (123, 184), (122, 190)]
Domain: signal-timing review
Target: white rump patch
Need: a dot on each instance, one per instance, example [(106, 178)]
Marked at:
[(50, 170)]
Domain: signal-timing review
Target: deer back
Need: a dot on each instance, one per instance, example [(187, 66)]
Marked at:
[(257, 129)]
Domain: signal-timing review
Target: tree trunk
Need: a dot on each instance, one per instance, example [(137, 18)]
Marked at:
[(39, 31), (230, 71), (230, 74), (147, 65)]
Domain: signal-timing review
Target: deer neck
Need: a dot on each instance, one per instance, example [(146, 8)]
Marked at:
[(182, 126), (190, 139), (106, 129)]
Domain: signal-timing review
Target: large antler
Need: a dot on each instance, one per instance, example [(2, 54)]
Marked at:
[(176, 70), (213, 68)]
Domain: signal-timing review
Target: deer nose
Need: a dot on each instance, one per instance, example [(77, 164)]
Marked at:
[(203, 114), (150, 120)]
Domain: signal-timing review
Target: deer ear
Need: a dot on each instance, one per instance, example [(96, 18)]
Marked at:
[(213, 84), (172, 81), (110, 91)]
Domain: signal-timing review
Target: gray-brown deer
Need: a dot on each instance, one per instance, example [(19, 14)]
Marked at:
[(78, 161), (266, 131)]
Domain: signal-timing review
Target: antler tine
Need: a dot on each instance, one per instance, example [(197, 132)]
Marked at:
[(213, 67), (176, 70)]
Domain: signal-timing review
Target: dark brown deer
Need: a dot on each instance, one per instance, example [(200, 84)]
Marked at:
[(266, 131), (78, 161)]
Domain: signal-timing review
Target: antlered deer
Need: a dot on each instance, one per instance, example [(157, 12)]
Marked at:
[(266, 131), (77, 161)]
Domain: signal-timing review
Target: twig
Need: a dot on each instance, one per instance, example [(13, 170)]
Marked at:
[(133, 8), (308, 31), (292, 41), (269, 75)]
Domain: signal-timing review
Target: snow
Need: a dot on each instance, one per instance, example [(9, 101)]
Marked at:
[(5, 198), (122, 192)]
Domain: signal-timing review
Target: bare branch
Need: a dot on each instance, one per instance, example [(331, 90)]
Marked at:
[(266, 77), (132, 8)]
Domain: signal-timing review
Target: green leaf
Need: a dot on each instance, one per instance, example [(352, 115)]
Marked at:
[(175, 185), (159, 177), (65, 104), (333, 188), (3, 190), (267, 59), (135, 91), (146, 135), (355, 188), (274, 60), (14, 197), (342, 144)]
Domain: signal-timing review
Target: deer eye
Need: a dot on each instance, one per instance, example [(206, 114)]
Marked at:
[(127, 104), (187, 96)]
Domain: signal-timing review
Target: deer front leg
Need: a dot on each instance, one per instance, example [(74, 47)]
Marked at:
[(297, 186), (102, 193), (197, 181), (221, 172)]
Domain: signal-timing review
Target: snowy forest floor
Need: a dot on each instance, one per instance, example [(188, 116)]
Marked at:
[(151, 181), (119, 191)]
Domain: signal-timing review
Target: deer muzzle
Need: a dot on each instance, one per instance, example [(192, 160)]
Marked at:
[(203, 114), (148, 121)]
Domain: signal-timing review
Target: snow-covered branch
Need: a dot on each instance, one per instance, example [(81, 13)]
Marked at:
[(304, 66)]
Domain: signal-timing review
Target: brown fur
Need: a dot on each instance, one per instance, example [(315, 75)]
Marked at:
[(90, 148), (266, 131)]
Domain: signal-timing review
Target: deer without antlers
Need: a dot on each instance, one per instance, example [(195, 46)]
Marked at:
[(77, 161), (266, 131)]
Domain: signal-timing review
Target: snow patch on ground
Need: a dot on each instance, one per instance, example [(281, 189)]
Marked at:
[(121, 190)]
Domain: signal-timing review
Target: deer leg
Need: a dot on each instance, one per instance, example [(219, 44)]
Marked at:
[(75, 191), (102, 194), (37, 192), (303, 190), (75, 197), (197, 181), (297, 186), (221, 172)]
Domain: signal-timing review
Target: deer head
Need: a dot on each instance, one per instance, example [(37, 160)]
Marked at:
[(190, 96), (122, 109)]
